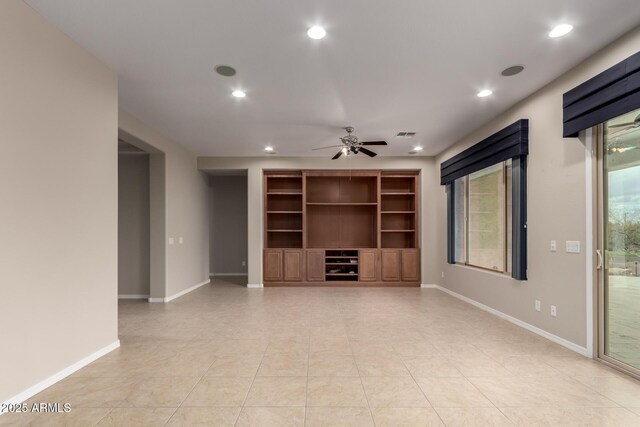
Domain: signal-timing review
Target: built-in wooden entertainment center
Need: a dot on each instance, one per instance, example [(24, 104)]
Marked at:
[(341, 228)]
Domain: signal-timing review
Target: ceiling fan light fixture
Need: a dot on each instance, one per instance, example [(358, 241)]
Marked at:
[(239, 93), (417, 148), (484, 93), (268, 149)]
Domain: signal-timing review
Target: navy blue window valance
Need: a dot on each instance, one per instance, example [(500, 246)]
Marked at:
[(510, 142), (610, 94)]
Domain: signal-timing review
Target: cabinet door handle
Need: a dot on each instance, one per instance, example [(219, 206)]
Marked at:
[(599, 265)]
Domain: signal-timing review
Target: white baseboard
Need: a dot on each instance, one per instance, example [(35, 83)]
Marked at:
[(428, 286), (124, 296), (551, 337), (181, 293), (255, 285), (227, 274), (48, 382)]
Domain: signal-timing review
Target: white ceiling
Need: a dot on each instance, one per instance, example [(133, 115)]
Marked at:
[(384, 67)]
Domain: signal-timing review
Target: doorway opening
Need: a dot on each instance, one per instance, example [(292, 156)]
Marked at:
[(134, 248), (228, 228), (155, 201)]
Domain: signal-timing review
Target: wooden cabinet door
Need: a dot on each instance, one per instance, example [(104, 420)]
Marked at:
[(391, 265), (315, 266), (293, 265), (272, 265), (368, 265), (410, 265)]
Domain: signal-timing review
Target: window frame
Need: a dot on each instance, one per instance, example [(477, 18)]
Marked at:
[(466, 200), (518, 245)]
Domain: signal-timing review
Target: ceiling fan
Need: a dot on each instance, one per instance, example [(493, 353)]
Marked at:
[(634, 124), (351, 145)]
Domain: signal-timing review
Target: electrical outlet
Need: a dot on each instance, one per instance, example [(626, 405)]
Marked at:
[(443, 274), (171, 240), (180, 240), (538, 305), (553, 246), (554, 311)]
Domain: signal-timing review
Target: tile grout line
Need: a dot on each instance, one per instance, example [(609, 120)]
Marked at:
[(191, 391), (421, 390), (242, 407), (364, 390), (480, 391), (105, 416)]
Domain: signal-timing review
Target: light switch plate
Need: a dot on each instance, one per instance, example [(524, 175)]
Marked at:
[(573, 246), (553, 246), (171, 240), (180, 240), (554, 311), (538, 305)]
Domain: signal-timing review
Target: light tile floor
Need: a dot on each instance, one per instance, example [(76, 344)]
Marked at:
[(225, 355)]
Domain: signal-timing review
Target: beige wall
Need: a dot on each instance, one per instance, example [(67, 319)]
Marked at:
[(58, 214), (228, 226), (186, 206), (255, 165), (133, 224), (556, 211)]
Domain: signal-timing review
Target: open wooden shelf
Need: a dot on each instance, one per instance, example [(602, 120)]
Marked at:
[(396, 193), (398, 231), (284, 193), (284, 212), (342, 204), (284, 231)]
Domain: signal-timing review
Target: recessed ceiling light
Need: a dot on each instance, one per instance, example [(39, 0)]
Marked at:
[(239, 93), (417, 148), (484, 93), (560, 30), (268, 148), (316, 32), (512, 71), (225, 70)]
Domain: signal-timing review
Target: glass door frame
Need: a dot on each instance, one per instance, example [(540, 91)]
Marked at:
[(600, 265)]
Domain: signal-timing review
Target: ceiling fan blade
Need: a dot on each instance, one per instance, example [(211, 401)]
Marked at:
[(374, 143), (368, 152), (324, 148), (622, 124), (337, 155)]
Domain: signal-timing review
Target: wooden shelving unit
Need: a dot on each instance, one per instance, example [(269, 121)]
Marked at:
[(284, 210), (399, 209), (341, 228)]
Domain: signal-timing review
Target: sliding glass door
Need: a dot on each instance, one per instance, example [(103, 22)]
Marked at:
[(620, 242)]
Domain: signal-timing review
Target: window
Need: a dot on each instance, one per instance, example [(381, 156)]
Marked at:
[(482, 218), (487, 202)]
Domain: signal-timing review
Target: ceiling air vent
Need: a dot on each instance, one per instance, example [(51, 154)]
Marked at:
[(405, 135)]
